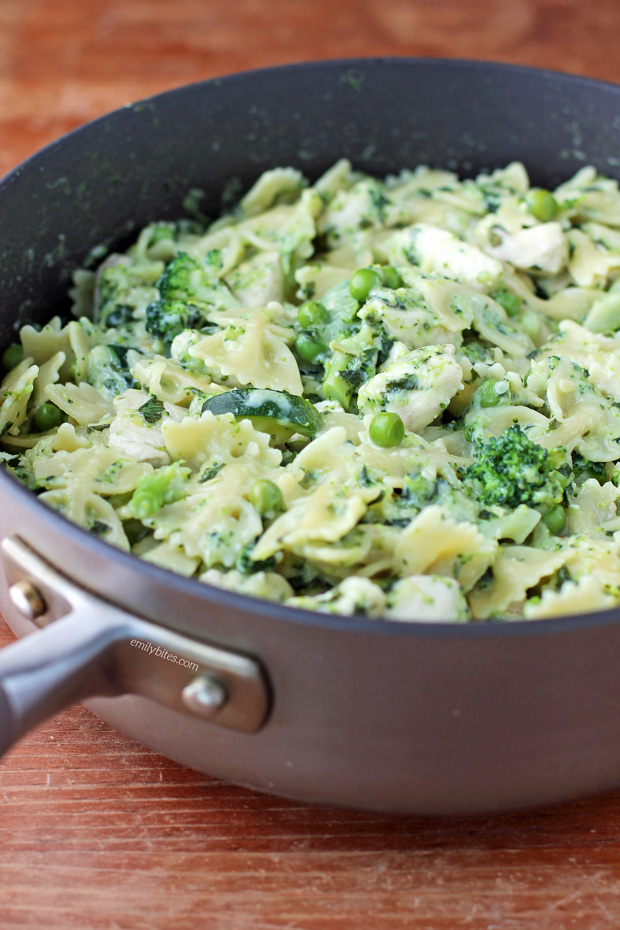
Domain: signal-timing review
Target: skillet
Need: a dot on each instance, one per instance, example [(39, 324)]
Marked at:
[(412, 718)]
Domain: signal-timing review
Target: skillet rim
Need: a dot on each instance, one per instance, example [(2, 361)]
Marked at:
[(199, 590)]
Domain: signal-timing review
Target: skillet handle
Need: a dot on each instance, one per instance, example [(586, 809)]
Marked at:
[(89, 647), (47, 671)]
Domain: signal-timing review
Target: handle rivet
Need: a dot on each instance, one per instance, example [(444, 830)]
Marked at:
[(28, 599), (204, 695)]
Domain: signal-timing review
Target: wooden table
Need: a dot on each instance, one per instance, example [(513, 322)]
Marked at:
[(97, 832)]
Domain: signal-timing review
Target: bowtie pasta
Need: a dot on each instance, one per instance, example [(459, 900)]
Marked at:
[(396, 398)]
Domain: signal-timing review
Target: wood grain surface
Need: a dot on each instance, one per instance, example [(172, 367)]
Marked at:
[(97, 832)]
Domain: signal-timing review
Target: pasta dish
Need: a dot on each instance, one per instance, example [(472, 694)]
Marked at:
[(397, 398)]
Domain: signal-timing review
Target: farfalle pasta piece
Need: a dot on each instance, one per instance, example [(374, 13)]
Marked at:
[(589, 264), (171, 556), (435, 544), (221, 439), (269, 585), (171, 382), (516, 570), (250, 351), (49, 373), (327, 514), (15, 392), (99, 470), (287, 227), (276, 185), (574, 597), (258, 280), (367, 550), (351, 596), (215, 522), (75, 340), (81, 402), (77, 503), (593, 505), (588, 421)]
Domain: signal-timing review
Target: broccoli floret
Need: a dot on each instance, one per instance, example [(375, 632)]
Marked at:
[(189, 291), (164, 486), (179, 306), (513, 470)]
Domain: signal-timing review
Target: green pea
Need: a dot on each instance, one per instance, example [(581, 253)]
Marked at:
[(487, 396), (310, 314), (510, 302), (387, 429), (308, 348), (555, 519), (391, 277), (266, 497), (530, 324), (362, 283), (542, 204), (47, 417), (12, 356)]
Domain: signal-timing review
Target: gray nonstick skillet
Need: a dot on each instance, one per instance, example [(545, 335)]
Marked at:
[(409, 717)]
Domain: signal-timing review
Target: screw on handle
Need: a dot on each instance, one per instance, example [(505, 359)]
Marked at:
[(28, 599), (204, 695)]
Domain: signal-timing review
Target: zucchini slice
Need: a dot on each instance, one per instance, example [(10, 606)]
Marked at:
[(276, 412)]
